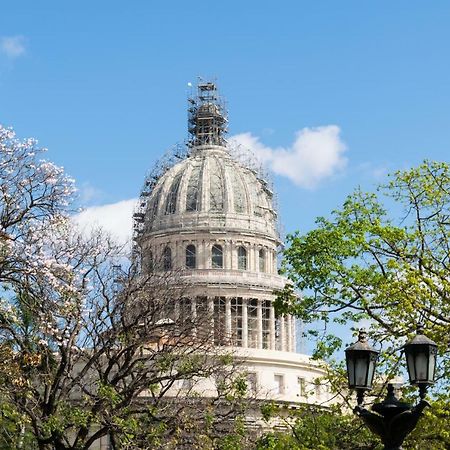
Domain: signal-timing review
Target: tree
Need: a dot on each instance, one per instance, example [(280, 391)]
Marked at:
[(313, 428), (91, 349), (381, 259)]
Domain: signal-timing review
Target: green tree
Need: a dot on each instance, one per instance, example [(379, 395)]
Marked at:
[(382, 259), (313, 428)]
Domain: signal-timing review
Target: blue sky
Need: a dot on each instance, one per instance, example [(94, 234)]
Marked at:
[(103, 85)]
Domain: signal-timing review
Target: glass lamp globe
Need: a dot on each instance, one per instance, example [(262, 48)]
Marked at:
[(361, 360), (421, 355)]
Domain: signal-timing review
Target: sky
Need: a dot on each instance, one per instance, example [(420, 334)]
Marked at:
[(330, 95)]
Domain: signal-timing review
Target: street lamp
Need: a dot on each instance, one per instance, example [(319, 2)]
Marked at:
[(361, 360), (391, 420), (421, 355)]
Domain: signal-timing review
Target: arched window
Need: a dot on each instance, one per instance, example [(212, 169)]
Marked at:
[(242, 258), (262, 260), (217, 256), (191, 256), (167, 259)]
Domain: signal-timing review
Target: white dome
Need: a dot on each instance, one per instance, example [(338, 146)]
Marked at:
[(211, 189), (211, 221)]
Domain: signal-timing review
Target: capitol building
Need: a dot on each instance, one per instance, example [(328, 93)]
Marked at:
[(210, 216)]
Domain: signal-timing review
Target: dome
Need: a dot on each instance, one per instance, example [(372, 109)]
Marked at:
[(209, 220), (211, 189)]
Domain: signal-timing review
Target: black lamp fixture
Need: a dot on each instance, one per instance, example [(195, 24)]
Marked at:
[(391, 420), (361, 360), (421, 353)]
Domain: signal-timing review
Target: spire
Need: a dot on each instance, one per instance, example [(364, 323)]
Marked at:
[(207, 120)]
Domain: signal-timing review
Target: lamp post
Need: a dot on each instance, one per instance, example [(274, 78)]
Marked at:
[(391, 419)]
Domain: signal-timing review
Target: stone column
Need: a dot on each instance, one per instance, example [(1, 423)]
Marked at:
[(269, 260), (228, 320), (282, 334), (288, 333), (293, 340), (194, 314), (202, 262), (179, 261), (227, 256), (272, 327), (259, 323), (210, 301), (251, 258), (244, 323)]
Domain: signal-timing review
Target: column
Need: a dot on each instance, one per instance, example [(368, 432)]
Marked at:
[(269, 260), (228, 320), (282, 334), (194, 316), (227, 259), (210, 302), (272, 327), (179, 256), (244, 323), (293, 340), (202, 259), (259, 323), (289, 333), (251, 258)]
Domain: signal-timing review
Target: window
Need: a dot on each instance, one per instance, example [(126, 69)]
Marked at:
[(167, 259), (242, 258), (191, 256), (265, 309), (217, 257), (262, 260), (203, 319), (278, 334), (219, 321), (236, 321), (185, 312), (252, 323), (279, 384)]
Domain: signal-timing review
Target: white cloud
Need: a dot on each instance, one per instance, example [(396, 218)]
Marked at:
[(116, 218), (316, 154), (12, 46)]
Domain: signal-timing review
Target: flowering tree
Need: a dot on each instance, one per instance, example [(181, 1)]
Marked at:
[(90, 350)]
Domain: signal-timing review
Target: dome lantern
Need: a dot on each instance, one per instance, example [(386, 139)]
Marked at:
[(207, 121)]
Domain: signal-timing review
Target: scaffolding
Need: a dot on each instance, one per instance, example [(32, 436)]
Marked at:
[(207, 125), (173, 156), (207, 117), (247, 158)]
